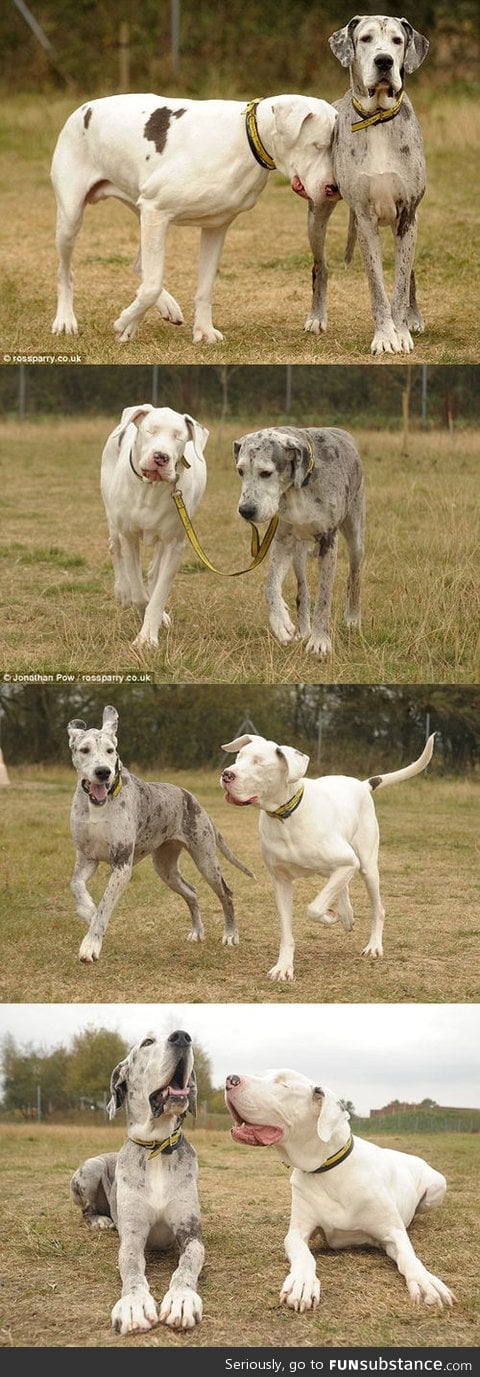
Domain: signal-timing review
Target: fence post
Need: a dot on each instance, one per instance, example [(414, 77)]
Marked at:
[(124, 56)]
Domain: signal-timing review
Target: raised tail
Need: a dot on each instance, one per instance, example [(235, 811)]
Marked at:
[(396, 776), (351, 239), (230, 855)]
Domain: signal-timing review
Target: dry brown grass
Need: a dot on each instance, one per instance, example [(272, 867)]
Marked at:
[(263, 289), (431, 891), (61, 1279), (419, 582)]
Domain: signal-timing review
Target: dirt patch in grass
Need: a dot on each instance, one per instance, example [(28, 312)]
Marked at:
[(419, 579), (431, 893), (262, 293), (61, 1279)]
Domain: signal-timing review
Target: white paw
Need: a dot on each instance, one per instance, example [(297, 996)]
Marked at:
[(373, 949), (196, 935), (415, 320), (101, 1221), (352, 619), (65, 324), (405, 339), (300, 1292), (145, 641), (90, 949), (181, 1309), (320, 645), (282, 625), (325, 916), (125, 328), (430, 1290), (230, 939), (169, 308), (137, 1311), (209, 335), (282, 971), (386, 341), (316, 324)]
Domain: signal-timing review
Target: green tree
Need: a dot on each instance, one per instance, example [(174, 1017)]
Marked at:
[(93, 1055)]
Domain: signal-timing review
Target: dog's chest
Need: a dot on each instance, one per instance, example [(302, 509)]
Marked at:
[(306, 515)]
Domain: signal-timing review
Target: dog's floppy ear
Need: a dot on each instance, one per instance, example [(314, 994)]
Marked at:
[(75, 729), (237, 745), (198, 435), (237, 445), (332, 1112), (295, 762), (416, 47), (192, 1094), (110, 721), (118, 1087), (290, 116), (341, 42), (303, 462), (131, 413)]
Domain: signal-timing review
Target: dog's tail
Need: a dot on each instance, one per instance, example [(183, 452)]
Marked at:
[(351, 239), (230, 855), (396, 776)]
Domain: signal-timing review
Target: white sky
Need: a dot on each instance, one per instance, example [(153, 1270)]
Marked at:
[(368, 1053)]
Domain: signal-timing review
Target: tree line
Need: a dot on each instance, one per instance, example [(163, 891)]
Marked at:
[(37, 1083), (345, 728), (304, 393)]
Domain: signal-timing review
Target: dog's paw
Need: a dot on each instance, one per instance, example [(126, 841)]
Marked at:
[(405, 339), (101, 1222), (196, 935), (386, 341), (231, 939), (65, 323), (373, 948), (145, 641), (125, 327), (169, 308), (181, 1309), (319, 644), (316, 325), (300, 1292), (429, 1289), (415, 320), (281, 624), (206, 335), (136, 1311), (282, 971), (90, 949), (326, 916)]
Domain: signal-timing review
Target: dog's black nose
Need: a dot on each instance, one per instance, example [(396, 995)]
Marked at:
[(232, 1080), (384, 61), (179, 1038), (227, 776), (247, 511), (103, 773)]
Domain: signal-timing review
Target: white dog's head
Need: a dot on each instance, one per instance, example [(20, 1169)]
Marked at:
[(289, 1110), (163, 437), (94, 755), (379, 50), (156, 1082), (301, 145), (263, 773)]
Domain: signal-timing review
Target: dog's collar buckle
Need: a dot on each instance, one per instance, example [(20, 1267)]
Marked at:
[(286, 809), (337, 1157), (253, 136), (167, 1146), (378, 116)]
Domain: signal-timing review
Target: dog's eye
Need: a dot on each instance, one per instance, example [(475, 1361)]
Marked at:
[(366, 38), (147, 1042), (110, 750), (84, 750), (240, 472), (265, 473), (397, 40)]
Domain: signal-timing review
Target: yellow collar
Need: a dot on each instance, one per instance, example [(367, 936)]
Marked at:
[(378, 117), (337, 1157), (253, 136), (286, 809), (117, 785), (168, 1145)]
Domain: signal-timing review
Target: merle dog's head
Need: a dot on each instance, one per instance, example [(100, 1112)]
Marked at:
[(94, 755)]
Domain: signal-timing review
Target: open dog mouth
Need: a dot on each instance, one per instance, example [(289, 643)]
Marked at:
[(239, 802), (383, 85), (254, 1135), (97, 793), (174, 1094)]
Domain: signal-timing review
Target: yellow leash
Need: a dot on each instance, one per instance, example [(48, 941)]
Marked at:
[(259, 548)]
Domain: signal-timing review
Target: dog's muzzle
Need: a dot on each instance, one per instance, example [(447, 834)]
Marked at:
[(97, 789)]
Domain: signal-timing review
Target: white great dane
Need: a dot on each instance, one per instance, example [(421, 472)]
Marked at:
[(148, 1190), (150, 453), (379, 169), (324, 826), (359, 1194), (181, 162)]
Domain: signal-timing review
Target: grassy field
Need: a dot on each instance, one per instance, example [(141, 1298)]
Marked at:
[(263, 289), (419, 580), (429, 838), (245, 1199)]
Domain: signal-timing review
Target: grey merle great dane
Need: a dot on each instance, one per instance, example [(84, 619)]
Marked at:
[(119, 818), (148, 1190), (313, 479), (379, 169)]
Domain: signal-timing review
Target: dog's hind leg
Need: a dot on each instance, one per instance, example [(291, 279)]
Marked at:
[(204, 855), (353, 531), (88, 1188), (303, 595), (165, 860)]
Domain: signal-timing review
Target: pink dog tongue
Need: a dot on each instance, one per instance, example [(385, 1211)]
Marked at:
[(173, 1093), (98, 791), (256, 1135)]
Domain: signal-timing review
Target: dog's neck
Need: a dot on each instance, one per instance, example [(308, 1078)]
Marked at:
[(379, 100), (312, 1155), (285, 800)]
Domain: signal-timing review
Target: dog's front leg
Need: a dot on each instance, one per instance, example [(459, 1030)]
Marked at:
[(154, 225), (211, 245), (283, 891), (318, 218), (303, 595), (136, 1309), (169, 561), (119, 878), (280, 562), (421, 1284), (319, 641), (182, 1307), (385, 339), (405, 242), (84, 869), (301, 1288)]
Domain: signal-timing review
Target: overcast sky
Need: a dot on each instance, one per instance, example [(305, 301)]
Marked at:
[(368, 1053)]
